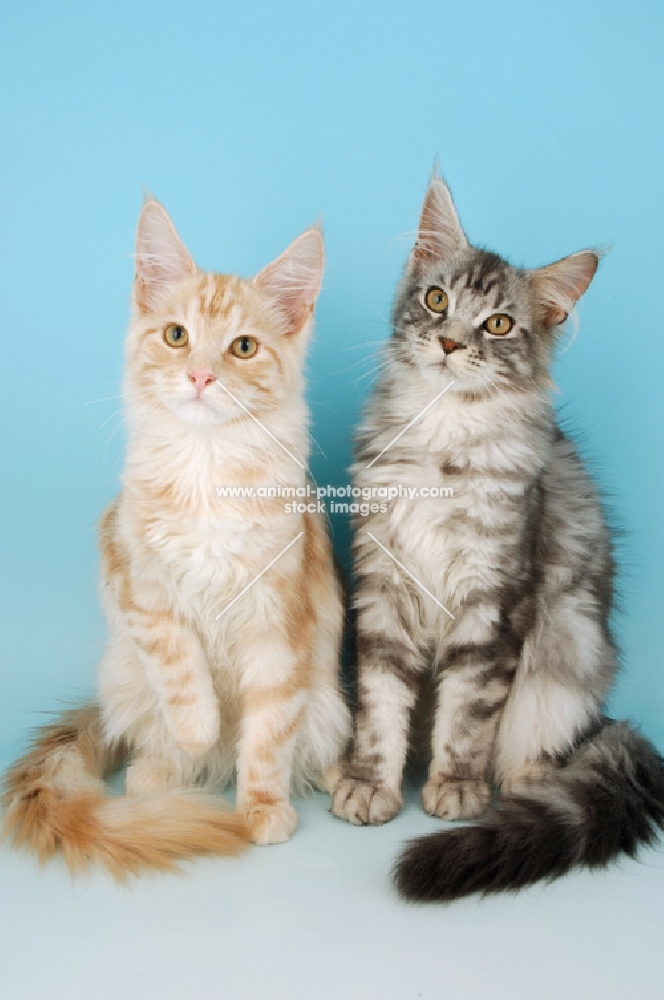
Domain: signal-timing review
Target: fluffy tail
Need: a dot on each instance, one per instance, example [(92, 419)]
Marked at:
[(607, 800), (54, 799)]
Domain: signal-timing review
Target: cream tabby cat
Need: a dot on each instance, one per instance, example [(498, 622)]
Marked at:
[(225, 615)]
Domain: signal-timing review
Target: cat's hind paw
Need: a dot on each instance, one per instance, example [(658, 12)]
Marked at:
[(147, 774), (195, 727), (521, 780)]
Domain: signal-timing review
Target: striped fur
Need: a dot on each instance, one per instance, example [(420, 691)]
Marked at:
[(197, 682), (514, 658), (607, 799)]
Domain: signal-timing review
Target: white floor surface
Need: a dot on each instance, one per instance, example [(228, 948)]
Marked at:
[(317, 919)]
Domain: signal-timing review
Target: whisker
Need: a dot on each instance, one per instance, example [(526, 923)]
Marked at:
[(358, 347)]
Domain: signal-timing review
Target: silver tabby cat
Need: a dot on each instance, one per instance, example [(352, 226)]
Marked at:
[(490, 607)]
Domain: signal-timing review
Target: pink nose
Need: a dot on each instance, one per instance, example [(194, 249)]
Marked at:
[(201, 380)]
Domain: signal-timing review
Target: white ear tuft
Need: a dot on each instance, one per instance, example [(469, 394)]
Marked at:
[(559, 286), (162, 259), (440, 234), (293, 280)]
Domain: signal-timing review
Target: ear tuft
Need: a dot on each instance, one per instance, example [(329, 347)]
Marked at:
[(293, 280), (440, 233), (162, 260), (559, 286)]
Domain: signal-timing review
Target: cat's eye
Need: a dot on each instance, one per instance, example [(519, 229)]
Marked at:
[(244, 347), (499, 324), (436, 300), (176, 335)]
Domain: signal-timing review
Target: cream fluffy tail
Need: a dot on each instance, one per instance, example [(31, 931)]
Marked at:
[(54, 798)]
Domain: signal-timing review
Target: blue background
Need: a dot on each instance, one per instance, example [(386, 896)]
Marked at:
[(250, 121)]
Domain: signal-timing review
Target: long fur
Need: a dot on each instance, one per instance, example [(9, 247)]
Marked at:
[(489, 606), (224, 614), (608, 800), (55, 801)]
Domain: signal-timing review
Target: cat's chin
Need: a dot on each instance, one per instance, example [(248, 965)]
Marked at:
[(197, 413), (441, 375)]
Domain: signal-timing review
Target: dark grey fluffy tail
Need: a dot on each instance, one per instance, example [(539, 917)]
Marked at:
[(606, 800)]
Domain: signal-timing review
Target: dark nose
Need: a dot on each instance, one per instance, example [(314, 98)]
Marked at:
[(451, 345)]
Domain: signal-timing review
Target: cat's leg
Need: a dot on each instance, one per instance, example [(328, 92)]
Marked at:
[(476, 670), (149, 631), (390, 665), (177, 669), (566, 668), (133, 715), (273, 681), (146, 627)]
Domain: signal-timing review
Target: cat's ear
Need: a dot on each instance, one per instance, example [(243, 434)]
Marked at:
[(161, 258), (559, 286), (293, 280), (440, 234)]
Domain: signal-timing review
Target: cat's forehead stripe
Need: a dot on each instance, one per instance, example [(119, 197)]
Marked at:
[(216, 297), (484, 273)]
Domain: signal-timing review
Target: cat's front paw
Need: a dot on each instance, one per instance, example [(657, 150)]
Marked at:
[(195, 727), (363, 804), (451, 798), (272, 823)]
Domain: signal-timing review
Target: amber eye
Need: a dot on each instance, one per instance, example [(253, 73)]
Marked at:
[(176, 335), (436, 300), (244, 347), (499, 324)]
